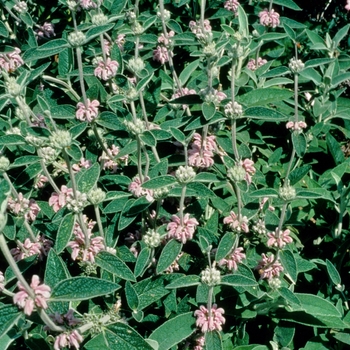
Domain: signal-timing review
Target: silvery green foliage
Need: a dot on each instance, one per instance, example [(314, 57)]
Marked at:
[(174, 175)]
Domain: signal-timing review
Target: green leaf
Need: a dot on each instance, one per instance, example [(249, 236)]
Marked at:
[(64, 232), (56, 270), (299, 143), (9, 316), (82, 288), (264, 114), (3, 30), (96, 31), (184, 281), (290, 32), (317, 306), (114, 265), (159, 182), (200, 190), (213, 341), (174, 331), (118, 336), (143, 260), (75, 152), (12, 140), (206, 177), (243, 22), (131, 296), (334, 148), (297, 174), (178, 135), (265, 192), (175, 26), (148, 139), (88, 178), (143, 82), (225, 246), (188, 71), (208, 110), (289, 264), (110, 121), (333, 273), (50, 48), (238, 280), (341, 33), (259, 97), (308, 194), (168, 255)]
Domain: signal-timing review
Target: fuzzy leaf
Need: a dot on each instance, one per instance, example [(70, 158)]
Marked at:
[(184, 281), (64, 232), (168, 255)]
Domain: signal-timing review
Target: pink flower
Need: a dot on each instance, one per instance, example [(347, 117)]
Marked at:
[(136, 189), (269, 18), (87, 112), (160, 54), (269, 267), (296, 126), (175, 265), (41, 294), (40, 181), (248, 166), (108, 162), (233, 259), (183, 92), (279, 240), (237, 224), (58, 201), (347, 6), (182, 231), (68, 339), (11, 61), (200, 342), (87, 4), (79, 249), (255, 64), (231, 5), (201, 152), (22, 206), (46, 30), (162, 39), (83, 163), (106, 70), (67, 319), (209, 321)]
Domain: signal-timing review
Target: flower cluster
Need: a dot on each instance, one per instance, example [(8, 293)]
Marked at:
[(29, 248), (87, 4), (295, 65), (232, 260), (269, 18), (211, 276), (269, 267), (68, 339), (231, 5), (87, 112), (201, 152), (233, 110), (212, 95), (80, 250), (46, 30), (107, 161), (11, 61), (279, 239), (24, 207), (296, 126), (203, 34), (106, 70), (67, 319), (182, 230), (254, 64), (237, 224), (41, 293), (248, 166), (59, 200), (210, 321), (136, 189)]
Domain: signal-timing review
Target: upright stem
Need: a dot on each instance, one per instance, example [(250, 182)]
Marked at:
[(182, 204)]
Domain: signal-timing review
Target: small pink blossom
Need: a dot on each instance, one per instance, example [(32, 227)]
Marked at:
[(108, 162), (248, 166), (175, 265), (296, 126), (269, 18), (279, 240), (26, 302), (347, 6), (40, 181), (87, 4), (231, 5), (237, 224), (210, 321), (254, 64), (165, 40), (68, 339), (22, 206), (79, 250), (200, 342), (233, 259), (11, 61), (182, 231), (201, 152), (65, 319), (160, 54), (58, 201), (268, 267), (46, 30), (136, 189), (83, 163), (87, 112), (106, 70)]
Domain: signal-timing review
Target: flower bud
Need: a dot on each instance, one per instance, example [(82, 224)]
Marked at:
[(287, 192), (233, 111), (76, 39), (152, 238), (96, 196), (185, 174), (48, 154), (35, 141), (136, 65), (60, 139), (275, 283), (236, 173), (12, 87), (136, 127), (295, 65), (211, 276), (160, 193), (77, 204), (99, 19), (4, 164)]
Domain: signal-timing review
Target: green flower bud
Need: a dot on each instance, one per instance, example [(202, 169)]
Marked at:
[(96, 196), (60, 139), (185, 174), (152, 238), (287, 192), (236, 173), (76, 39), (211, 276)]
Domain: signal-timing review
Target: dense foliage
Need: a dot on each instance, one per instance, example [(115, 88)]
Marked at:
[(174, 175)]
